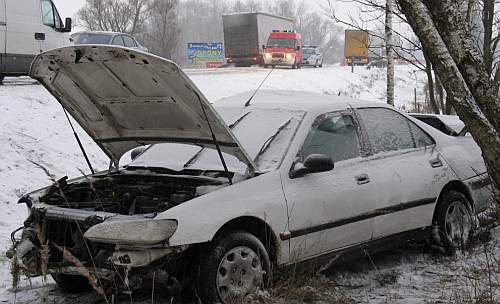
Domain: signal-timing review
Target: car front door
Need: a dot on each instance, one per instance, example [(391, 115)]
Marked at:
[(412, 167), (50, 34), (327, 210)]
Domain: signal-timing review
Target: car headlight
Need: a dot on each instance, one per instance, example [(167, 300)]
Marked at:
[(289, 56), (268, 55), (132, 232)]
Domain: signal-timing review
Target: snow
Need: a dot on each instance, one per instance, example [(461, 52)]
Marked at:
[(34, 135)]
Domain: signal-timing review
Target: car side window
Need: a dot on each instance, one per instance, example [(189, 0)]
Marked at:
[(390, 131), (421, 138), (129, 41), (333, 135), (118, 40), (48, 17)]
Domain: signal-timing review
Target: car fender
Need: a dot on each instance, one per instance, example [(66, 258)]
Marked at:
[(201, 218)]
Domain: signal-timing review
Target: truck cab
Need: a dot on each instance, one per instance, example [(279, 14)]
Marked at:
[(284, 48), (27, 28)]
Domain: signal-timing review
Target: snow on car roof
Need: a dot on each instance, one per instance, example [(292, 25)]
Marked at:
[(295, 100)]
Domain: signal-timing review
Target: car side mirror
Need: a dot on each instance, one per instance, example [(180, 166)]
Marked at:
[(314, 163), (67, 25), (263, 46)]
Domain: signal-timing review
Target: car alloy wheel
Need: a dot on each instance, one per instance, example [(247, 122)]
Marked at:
[(458, 224), (454, 222), (239, 273)]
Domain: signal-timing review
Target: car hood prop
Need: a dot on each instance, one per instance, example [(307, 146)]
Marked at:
[(125, 98)]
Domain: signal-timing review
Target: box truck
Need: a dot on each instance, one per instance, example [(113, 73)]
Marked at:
[(28, 27), (246, 33)]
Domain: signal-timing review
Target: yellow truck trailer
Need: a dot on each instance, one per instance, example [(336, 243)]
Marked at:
[(356, 47)]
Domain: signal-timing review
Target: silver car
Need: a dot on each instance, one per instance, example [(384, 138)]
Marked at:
[(111, 38), (223, 195)]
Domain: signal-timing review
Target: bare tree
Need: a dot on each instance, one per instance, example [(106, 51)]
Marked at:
[(126, 16), (389, 52), (461, 69), (163, 29)]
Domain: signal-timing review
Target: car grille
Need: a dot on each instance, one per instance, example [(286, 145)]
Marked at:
[(278, 55)]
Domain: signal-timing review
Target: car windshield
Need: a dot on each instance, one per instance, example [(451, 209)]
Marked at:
[(281, 43), (264, 134), (85, 38), (309, 51)]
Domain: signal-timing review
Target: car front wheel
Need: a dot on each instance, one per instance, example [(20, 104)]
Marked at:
[(454, 221), (235, 266)]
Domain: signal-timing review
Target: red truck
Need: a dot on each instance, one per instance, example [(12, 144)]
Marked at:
[(283, 48)]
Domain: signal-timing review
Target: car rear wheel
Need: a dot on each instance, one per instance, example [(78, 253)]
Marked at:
[(454, 221), (72, 283), (235, 266)]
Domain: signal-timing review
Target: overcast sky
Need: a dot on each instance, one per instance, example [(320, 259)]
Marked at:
[(68, 8)]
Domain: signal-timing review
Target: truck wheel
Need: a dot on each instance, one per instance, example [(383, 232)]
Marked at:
[(299, 65), (293, 67), (72, 283), (265, 66), (273, 66), (454, 221), (234, 266)]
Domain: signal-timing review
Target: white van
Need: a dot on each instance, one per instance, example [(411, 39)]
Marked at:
[(28, 27)]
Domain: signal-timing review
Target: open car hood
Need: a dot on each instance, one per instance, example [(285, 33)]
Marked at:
[(125, 98)]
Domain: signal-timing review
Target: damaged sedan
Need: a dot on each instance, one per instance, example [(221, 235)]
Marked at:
[(217, 198)]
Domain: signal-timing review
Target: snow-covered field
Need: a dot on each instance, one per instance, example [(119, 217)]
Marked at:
[(34, 132)]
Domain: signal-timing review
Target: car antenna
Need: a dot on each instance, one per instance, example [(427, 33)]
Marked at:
[(79, 142), (217, 146), (250, 99)]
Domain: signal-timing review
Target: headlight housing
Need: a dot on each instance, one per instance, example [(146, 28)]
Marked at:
[(289, 56), (132, 232), (268, 55)]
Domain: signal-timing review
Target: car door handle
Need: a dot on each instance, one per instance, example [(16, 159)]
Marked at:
[(362, 179), (39, 36), (436, 162)]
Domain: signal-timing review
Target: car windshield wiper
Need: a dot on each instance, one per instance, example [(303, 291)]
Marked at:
[(198, 154), (268, 142)]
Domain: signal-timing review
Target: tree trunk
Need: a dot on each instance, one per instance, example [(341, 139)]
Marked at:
[(389, 52), (464, 82), (430, 81)]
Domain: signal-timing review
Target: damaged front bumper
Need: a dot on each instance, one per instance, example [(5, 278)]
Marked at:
[(96, 245)]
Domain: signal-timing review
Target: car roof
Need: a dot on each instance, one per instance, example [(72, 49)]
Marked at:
[(296, 100), (100, 33)]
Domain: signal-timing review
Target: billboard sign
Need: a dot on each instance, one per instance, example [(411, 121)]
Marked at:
[(207, 54)]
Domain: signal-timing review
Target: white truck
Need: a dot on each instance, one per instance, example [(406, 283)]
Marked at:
[(28, 27)]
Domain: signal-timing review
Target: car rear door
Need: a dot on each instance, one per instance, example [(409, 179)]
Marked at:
[(21, 25), (413, 169), (329, 210)]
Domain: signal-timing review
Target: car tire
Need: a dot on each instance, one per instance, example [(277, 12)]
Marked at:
[(72, 283), (265, 66), (299, 65), (454, 222), (228, 262), (321, 65)]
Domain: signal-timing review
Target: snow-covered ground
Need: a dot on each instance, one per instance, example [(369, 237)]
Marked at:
[(34, 133)]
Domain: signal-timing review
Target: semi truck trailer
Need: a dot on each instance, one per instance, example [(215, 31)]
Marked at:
[(245, 34)]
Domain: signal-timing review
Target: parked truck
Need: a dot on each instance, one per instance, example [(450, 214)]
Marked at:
[(356, 47), (27, 28), (246, 33)]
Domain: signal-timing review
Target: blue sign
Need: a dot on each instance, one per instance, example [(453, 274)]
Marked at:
[(205, 53)]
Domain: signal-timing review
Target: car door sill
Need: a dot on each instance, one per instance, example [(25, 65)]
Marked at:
[(355, 251)]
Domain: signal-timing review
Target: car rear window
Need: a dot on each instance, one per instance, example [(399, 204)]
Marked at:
[(91, 38)]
